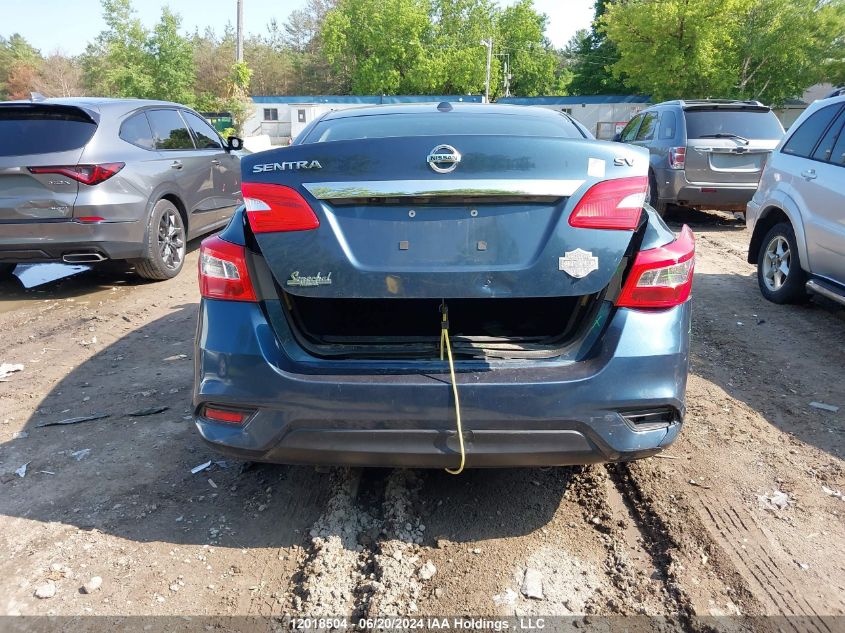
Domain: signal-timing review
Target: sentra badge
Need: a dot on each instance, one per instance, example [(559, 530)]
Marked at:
[(309, 281), (578, 263), (287, 166)]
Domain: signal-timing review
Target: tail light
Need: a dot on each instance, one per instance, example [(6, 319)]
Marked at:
[(661, 277), (677, 157), (611, 204), (86, 174), (273, 208), (222, 271), (225, 414)]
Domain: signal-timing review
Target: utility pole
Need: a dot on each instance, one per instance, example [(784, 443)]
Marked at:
[(489, 44), (239, 49)]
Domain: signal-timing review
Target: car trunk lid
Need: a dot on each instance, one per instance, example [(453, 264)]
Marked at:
[(729, 145), (40, 135), (495, 226)]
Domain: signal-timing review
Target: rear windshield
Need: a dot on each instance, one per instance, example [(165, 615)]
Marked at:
[(33, 130), (435, 123), (746, 123)]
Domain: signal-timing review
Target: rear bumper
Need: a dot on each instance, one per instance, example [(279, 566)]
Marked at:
[(401, 414), (674, 187), (51, 240)]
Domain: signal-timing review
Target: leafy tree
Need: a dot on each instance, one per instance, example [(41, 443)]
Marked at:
[(19, 63), (591, 55), (535, 66), (118, 62), (171, 59), (763, 49), (382, 44)]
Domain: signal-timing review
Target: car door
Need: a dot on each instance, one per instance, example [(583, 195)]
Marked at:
[(629, 132), (225, 166), (189, 170), (822, 183)]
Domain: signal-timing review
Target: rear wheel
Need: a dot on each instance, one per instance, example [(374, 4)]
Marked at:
[(779, 272), (652, 196), (6, 270), (165, 248)]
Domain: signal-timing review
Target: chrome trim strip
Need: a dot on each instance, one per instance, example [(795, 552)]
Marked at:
[(421, 188), (812, 286)]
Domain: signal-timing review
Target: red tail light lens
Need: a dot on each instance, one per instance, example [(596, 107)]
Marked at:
[(219, 414), (222, 271), (273, 208), (677, 157), (611, 204), (86, 174), (661, 277)]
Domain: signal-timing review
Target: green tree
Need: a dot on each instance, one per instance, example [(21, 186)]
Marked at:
[(535, 66), (763, 49), (380, 44), (117, 63), (19, 60), (591, 56), (171, 59)]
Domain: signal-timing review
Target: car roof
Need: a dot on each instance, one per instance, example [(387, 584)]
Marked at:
[(99, 103), (426, 108)]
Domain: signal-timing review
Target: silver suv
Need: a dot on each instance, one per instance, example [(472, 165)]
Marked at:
[(705, 154), (797, 215), (83, 180)]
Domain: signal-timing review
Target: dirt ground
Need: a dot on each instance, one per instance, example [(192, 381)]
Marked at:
[(742, 515)]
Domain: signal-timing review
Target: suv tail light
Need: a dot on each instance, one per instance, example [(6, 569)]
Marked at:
[(677, 157), (272, 208), (611, 204), (661, 277), (222, 271), (86, 174)]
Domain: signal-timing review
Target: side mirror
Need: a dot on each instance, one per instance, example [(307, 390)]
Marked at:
[(617, 138), (234, 143)]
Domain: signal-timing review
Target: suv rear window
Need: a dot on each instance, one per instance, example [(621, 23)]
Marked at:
[(43, 130), (751, 124), (428, 124)]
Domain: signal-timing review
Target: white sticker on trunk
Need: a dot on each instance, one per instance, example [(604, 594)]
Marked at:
[(595, 168), (578, 263)]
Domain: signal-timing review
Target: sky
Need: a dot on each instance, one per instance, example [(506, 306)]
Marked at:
[(66, 25)]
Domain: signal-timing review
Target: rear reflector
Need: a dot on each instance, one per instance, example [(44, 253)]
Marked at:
[(231, 416), (661, 277), (611, 204), (222, 271), (86, 174), (89, 219), (274, 208), (677, 157)]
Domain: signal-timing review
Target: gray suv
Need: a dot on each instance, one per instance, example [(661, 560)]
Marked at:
[(797, 216), (705, 154), (83, 180)]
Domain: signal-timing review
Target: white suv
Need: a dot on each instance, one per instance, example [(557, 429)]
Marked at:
[(797, 216)]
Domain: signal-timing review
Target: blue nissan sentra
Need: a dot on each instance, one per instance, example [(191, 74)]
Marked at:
[(452, 285)]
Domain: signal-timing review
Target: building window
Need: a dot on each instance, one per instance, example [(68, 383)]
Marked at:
[(271, 114), (300, 114)]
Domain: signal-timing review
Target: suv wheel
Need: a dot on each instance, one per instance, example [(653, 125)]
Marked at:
[(6, 270), (651, 196), (779, 272), (165, 248)]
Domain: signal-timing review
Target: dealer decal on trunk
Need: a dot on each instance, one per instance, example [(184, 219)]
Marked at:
[(578, 263), (315, 280)]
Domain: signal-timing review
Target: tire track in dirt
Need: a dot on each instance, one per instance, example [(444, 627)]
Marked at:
[(361, 559)]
